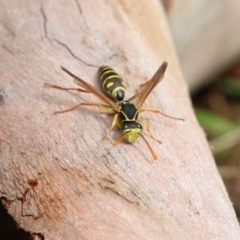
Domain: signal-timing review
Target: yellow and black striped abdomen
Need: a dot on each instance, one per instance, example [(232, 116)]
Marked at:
[(112, 83)]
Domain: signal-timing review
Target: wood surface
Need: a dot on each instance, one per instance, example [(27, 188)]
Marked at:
[(206, 36), (58, 178)]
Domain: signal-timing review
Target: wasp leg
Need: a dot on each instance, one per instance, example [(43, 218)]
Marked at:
[(114, 122), (68, 110), (144, 121), (119, 140), (157, 111), (101, 107), (105, 109), (108, 110), (65, 89)]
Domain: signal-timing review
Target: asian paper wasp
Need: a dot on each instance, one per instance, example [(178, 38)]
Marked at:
[(125, 111)]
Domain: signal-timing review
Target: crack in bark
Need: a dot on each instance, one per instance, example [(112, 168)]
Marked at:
[(108, 180), (1, 99), (44, 23), (120, 195), (8, 50), (111, 184), (73, 55), (8, 29), (37, 236), (80, 11), (5, 202), (79, 7), (45, 20), (23, 200)]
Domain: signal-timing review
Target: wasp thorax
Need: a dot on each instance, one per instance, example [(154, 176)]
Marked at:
[(131, 131)]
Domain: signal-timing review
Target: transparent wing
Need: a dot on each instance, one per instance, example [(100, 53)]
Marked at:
[(91, 89), (147, 87)]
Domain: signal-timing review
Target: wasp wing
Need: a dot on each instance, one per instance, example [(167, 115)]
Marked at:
[(91, 89), (147, 87)]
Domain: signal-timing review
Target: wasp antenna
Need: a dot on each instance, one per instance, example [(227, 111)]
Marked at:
[(47, 85), (155, 157), (163, 66)]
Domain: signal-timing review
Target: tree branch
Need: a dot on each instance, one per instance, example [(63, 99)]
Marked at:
[(59, 178)]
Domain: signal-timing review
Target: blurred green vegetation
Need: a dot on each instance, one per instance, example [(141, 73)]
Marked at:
[(230, 86), (213, 123), (217, 108)]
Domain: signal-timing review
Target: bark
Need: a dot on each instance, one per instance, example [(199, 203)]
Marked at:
[(59, 179), (206, 37)]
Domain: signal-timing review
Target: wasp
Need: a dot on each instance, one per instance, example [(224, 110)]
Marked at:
[(125, 112)]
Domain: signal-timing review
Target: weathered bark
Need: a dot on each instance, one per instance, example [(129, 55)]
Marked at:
[(206, 35), (59, 180)]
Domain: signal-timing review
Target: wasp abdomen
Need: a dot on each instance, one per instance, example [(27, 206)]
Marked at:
[(112, 83)]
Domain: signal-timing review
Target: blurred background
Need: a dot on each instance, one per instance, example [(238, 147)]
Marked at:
[(207, 41)]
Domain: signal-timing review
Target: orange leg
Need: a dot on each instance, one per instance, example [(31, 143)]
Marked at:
[(155, 157), (68, 110), (149, 130), (65, 89), (105, 109), (119, 140), (157, 111), (112, 126), (101, 107)]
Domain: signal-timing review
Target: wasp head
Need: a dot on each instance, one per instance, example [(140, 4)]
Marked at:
[(131, 131)]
